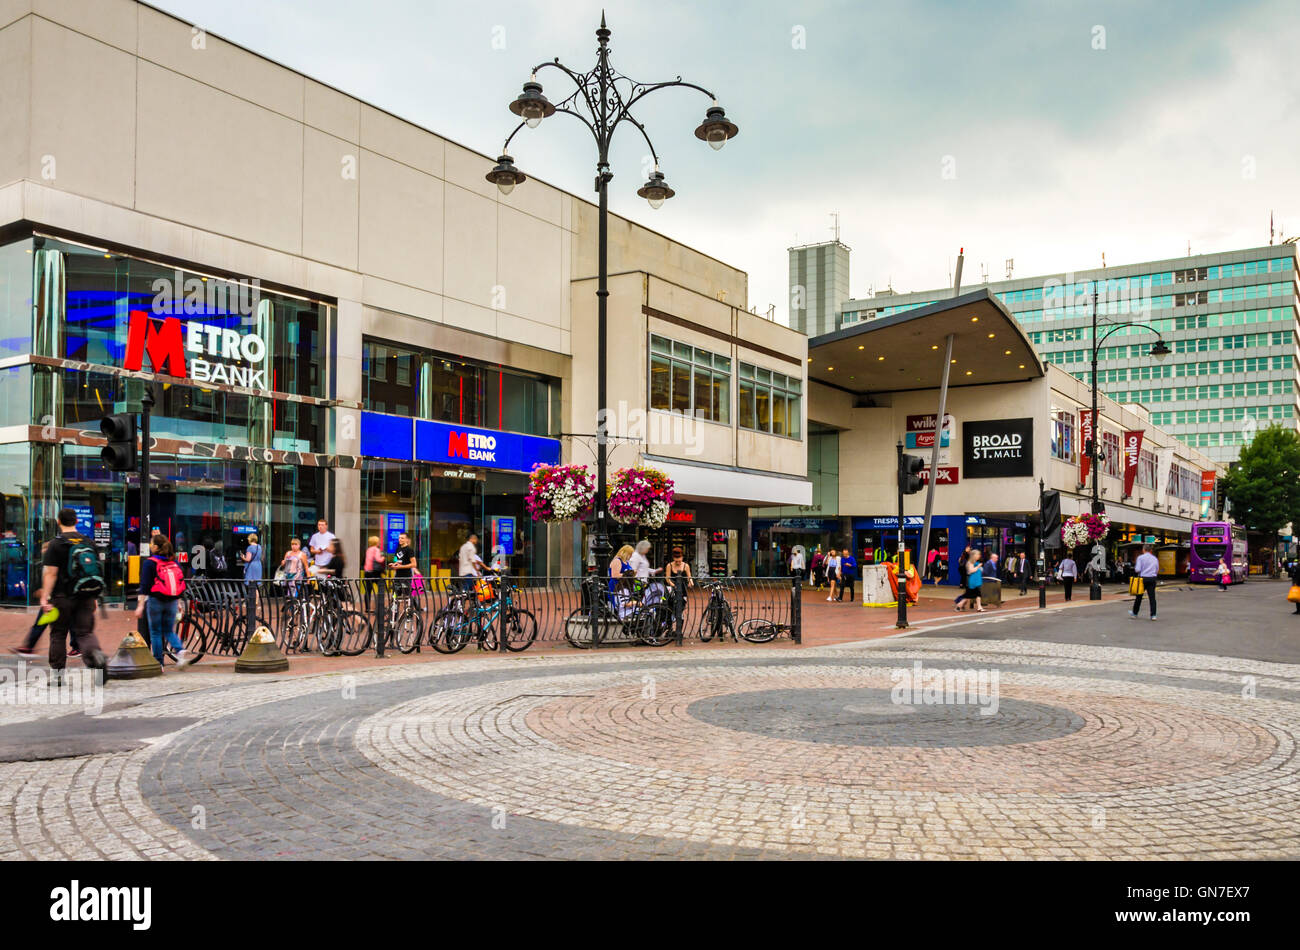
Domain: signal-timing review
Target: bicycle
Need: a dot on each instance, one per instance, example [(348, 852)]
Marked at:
[(718, 619), (641, 611), (465, 618)]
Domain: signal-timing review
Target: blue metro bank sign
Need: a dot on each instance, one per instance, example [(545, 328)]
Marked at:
[(443, 443)]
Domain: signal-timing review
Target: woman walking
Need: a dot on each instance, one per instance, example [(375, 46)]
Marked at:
[(974, 582), (1068, 572), (1224, 573), (963, 568), (164, 581), (832, 567)]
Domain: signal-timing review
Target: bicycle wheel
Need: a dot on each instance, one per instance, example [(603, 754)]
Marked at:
[(708, 624), (355, 633), (408, 630), (759, 630), (193, 632), (450, 631), (655, 625), (577, 627), (329, 635), (519, 630)]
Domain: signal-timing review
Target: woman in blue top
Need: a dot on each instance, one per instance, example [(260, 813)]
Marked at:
[(253, 560), (974, 582)]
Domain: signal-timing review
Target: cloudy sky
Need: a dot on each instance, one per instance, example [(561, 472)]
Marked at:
[(1047, 132)]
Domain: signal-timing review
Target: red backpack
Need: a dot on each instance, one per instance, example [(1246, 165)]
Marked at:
[(170, 581)]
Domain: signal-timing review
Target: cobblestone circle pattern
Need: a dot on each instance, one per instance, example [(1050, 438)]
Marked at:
[(1094, 752)]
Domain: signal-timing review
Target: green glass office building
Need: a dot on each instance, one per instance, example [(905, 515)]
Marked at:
[(1230, 319)]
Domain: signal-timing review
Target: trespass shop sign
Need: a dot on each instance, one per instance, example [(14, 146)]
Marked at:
[(998, 448)]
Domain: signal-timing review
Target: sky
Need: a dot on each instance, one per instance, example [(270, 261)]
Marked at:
[(1049, 132)]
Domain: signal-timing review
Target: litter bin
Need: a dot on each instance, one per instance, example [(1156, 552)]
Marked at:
[(991, 592)]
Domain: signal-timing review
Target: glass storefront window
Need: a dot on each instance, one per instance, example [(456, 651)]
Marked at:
[(407, 382), (16, 298), (16, 572), (103, 288)]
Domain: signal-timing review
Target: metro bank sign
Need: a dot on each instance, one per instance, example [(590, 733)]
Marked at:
[(444, 443), (189, 351)]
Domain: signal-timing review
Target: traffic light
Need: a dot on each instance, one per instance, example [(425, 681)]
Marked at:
[(119, 455), (908, 480)]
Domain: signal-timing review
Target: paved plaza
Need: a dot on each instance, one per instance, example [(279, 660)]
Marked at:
[(1093, 750)]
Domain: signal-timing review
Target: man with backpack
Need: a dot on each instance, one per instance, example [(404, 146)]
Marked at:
[(72, 581)]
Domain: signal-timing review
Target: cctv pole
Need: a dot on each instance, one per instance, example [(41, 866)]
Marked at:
[(902, 584)]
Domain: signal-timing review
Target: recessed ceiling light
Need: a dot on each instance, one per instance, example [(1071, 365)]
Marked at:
[(992, 335), (935, 347), (968, 372), (1006, 352), (861, 346), (972, 320), (831, 369), (954, 362), (1022, 366), (879, 358)]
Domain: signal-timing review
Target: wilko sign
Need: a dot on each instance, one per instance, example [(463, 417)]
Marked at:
[(925, 423), (947, 475), (189, 351), (1132, 454)]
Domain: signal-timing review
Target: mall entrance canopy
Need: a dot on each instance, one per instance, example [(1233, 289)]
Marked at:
[(905, 351)]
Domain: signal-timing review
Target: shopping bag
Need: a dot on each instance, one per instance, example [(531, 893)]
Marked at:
[(1293, 594), (1135, 585)]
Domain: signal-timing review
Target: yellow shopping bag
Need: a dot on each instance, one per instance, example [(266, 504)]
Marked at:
[(1135, 585)]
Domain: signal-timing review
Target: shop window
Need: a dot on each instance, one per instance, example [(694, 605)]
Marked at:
[(1063, 435), (1114, 460), (102, 289), (689, 380), (777, 401)]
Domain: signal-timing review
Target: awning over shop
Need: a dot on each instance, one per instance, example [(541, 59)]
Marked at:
[(733, 486)]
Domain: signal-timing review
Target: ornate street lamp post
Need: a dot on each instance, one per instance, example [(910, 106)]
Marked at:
[(1159, 350), (602, 101)]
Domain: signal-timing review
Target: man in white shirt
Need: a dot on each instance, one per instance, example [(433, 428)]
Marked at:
[(470, 565), (796, 564), (320, 542), (1147, 567)]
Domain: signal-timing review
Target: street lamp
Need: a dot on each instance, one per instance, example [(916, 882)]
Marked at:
[(1159, 350), (603, 98)]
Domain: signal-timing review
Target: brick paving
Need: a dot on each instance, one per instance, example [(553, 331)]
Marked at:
[(717, 753)]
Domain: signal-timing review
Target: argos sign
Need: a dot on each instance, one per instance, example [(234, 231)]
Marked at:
[(191, 351)]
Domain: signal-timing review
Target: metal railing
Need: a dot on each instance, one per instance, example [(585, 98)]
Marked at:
[(348, 616)]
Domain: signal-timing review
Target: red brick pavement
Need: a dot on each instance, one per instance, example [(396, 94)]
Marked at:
[(823, 623)]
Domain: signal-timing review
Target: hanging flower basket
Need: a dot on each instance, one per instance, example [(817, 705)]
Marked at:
[(640, 496), (1084, 529), (560, 493)]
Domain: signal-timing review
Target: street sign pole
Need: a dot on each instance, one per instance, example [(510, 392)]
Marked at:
[(902, 548)]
